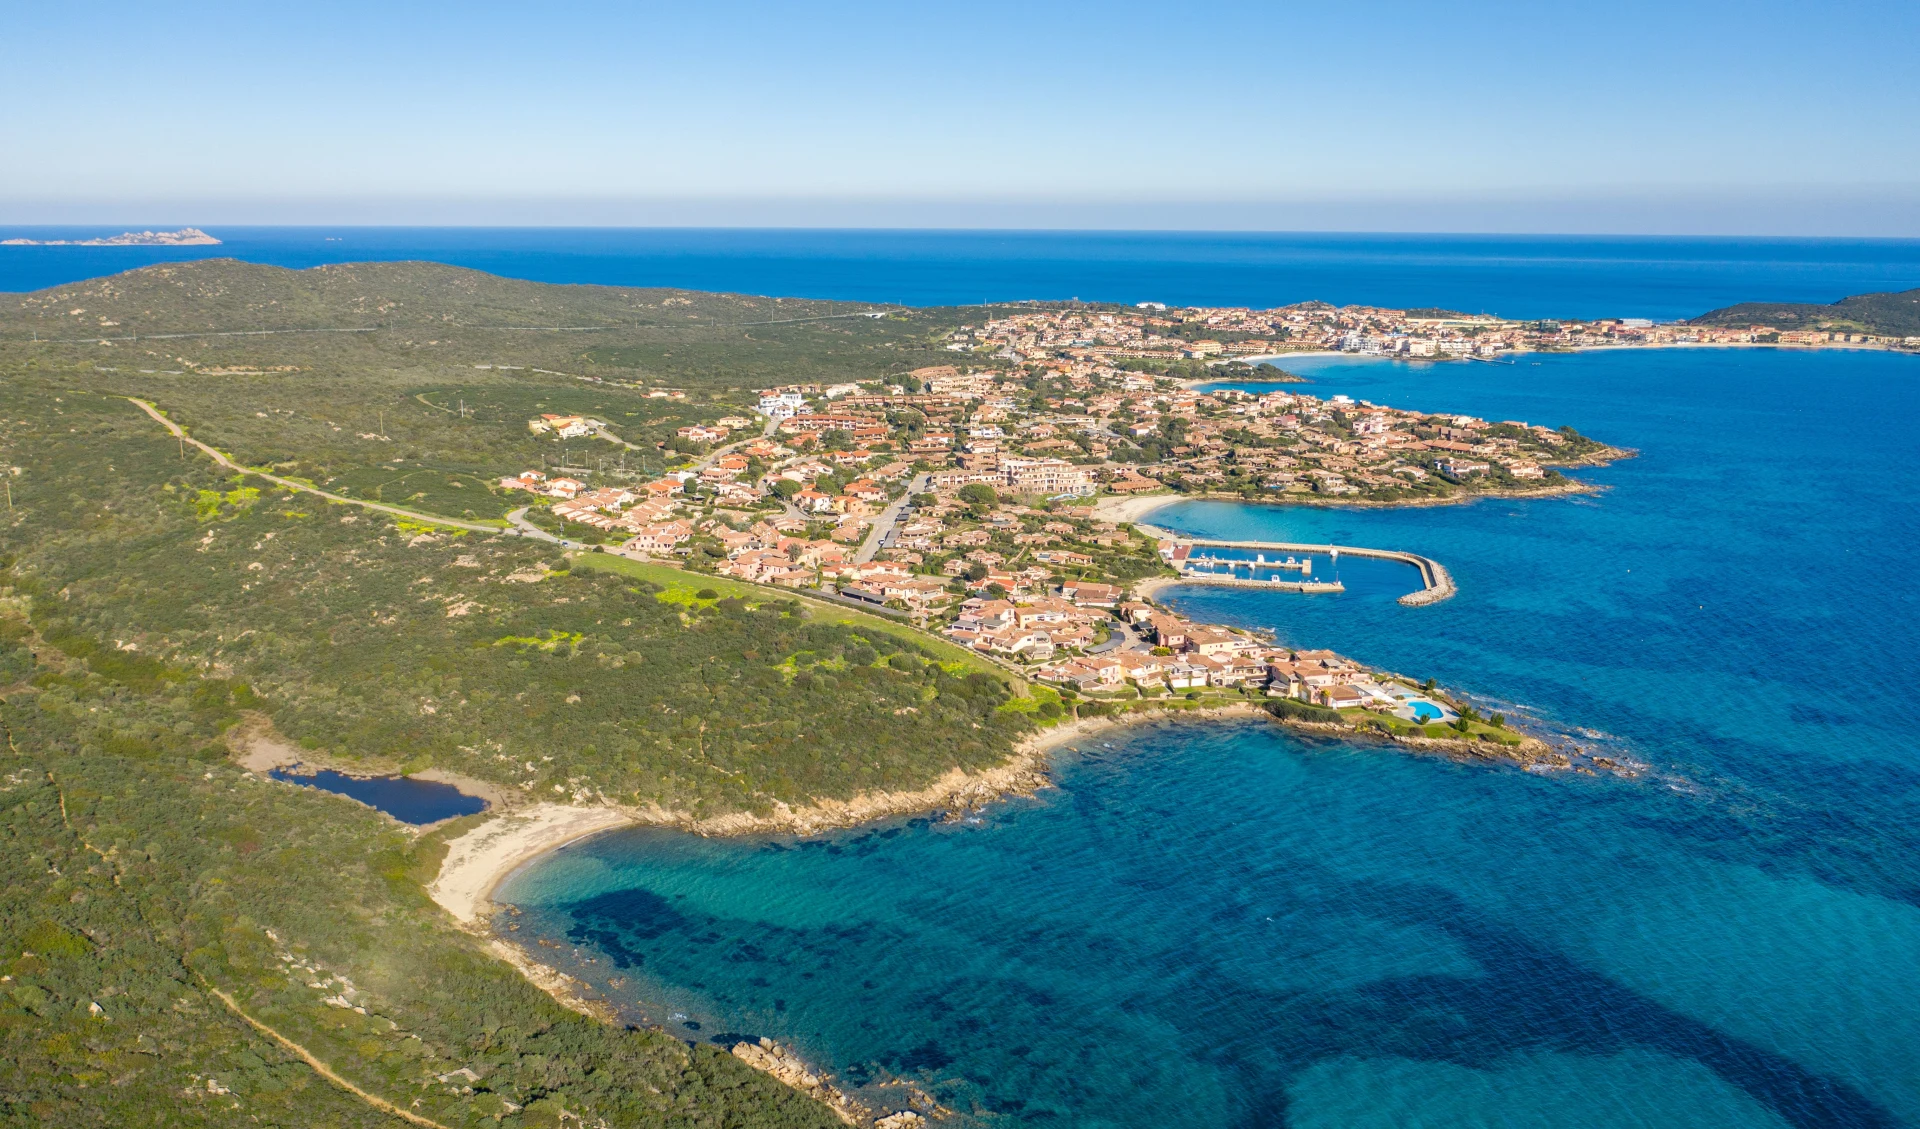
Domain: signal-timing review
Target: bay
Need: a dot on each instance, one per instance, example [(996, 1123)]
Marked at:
[(1231, 924)]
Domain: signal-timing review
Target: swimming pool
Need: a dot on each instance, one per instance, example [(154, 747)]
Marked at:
[(1424, 712)]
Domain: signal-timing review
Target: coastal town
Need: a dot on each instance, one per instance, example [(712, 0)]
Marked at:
[(994, 500), (1153, 332), (968, 503)]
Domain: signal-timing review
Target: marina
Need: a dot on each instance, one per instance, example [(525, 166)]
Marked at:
[(1436, 583), (1213, 569)]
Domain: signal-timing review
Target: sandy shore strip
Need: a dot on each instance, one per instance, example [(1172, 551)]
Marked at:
[(1115, 508), (477, 861)]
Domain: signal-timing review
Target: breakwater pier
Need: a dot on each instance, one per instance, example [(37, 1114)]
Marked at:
[(1436, 584)]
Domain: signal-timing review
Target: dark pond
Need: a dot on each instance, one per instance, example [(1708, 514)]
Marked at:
[(402, 797)]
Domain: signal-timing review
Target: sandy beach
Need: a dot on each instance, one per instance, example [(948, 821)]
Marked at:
[(1132, 508), (478, 860)]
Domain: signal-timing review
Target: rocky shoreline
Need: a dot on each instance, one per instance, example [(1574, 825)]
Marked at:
[(478, 861)]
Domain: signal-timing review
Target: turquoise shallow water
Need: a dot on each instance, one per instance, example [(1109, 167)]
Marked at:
[(1229, 924)]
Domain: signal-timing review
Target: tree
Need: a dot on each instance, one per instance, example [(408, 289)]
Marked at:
[(786, 488), (979, 494), (977, 571)]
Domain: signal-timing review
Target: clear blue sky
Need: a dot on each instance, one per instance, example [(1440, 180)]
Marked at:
[(1757, 116)]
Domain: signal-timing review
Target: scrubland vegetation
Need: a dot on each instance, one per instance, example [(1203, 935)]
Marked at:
[(150, 601)]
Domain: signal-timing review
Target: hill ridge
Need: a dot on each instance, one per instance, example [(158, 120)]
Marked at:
[(1883, 313)]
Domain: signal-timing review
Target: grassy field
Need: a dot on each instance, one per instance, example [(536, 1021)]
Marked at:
[(679, 584)]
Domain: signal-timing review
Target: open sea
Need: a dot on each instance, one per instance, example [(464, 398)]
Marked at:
[(1516, 276), (1228, 924)]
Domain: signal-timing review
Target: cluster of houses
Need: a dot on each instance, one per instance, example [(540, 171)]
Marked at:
[(565, 427), (1031, 629), (1153, 332), (1185, 656), (777, 552), (1013, 580), (1158, 652), (1069, 423), (1294, 443), (645, 512)]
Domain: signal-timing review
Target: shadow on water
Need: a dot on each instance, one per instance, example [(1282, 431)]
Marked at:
[(1522, 998), (1525, 999)]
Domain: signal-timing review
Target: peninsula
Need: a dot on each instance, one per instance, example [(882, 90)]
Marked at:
[(1154, 336)]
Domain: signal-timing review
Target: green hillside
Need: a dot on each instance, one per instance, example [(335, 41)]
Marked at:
[(432, 317), (1885, 315), (158, 902), (430, 402)]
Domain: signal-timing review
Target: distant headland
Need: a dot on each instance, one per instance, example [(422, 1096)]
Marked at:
[(185, 237)]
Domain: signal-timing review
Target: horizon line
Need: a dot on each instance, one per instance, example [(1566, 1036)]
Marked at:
[(164, 226)]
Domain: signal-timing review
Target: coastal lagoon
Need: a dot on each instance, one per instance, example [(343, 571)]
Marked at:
[(405, 798), (1228, 923)]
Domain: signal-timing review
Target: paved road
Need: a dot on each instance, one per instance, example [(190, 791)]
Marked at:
[(518, 519), (883, 524), (1122, 639)]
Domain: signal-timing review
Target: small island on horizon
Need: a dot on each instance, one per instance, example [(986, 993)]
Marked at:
[(185, 237)]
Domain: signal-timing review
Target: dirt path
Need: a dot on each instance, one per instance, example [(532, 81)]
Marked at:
[(215, 454), (321, 1068)]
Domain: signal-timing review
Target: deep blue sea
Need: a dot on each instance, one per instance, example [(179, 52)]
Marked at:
[(1516, 276), (1229, 924)]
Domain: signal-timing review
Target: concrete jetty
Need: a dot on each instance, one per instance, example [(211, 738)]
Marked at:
[(1275, 585), (1436, 583)]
